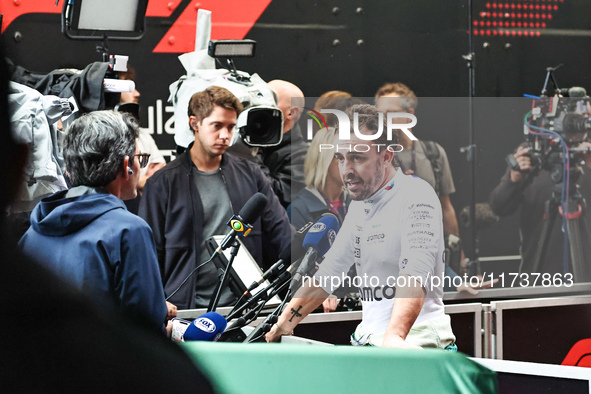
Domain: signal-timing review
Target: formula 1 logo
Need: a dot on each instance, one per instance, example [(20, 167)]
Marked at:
[(231, 19)]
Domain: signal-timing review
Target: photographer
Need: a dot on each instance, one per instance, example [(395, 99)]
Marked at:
[(283, 165), (531, 187)]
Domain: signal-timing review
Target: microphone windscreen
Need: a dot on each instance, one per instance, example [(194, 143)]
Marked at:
[(208, 327), (253, 208), (322, 234), (297, 250), (577, 91)]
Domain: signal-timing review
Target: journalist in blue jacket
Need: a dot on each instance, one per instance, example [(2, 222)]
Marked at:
[(86, 234)]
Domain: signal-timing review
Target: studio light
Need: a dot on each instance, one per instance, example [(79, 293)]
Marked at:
[(231, 48), (101, 19)]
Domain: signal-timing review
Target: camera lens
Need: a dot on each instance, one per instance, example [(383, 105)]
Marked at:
[(263, 127), (576, 123)]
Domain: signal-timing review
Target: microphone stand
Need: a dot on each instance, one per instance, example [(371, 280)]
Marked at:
[(213, 303), (271, 319), (231, 334), (471, 150), (265, 326), (282, 280)]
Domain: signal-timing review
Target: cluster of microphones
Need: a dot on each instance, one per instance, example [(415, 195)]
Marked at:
[(298, 260)]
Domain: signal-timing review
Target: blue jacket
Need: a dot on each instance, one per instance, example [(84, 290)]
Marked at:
[(104, 250)]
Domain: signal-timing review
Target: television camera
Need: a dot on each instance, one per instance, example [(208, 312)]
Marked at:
[(260, 124), (554, 129)]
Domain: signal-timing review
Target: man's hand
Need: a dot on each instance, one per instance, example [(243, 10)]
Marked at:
[(274, 335), (171, 310), (465, 286), (395, 341), (407, 306), (330, 304), (307, 298), (524, 162)]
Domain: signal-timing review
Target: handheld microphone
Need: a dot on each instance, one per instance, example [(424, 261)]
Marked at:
[(241, 223), (286, 255), (179, 326), (297, 250), (317, 242), (208, 327)]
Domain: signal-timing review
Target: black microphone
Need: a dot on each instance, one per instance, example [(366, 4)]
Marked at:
[(238, 323), (261, 329), (279, 281), (277, 268), (241, 223), (285, 257), (234, 331)]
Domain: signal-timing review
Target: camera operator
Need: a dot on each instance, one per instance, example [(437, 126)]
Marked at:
[(283, 165), (527, 186)]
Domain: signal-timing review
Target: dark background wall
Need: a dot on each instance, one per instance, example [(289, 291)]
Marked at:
[(356, 46)]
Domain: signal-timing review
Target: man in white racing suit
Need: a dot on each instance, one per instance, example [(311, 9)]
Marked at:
[(393, 234)]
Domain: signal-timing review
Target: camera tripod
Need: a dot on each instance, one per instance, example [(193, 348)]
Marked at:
[(576, 231)]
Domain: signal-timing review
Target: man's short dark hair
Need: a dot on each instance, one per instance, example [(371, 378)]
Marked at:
[(95, 145), (369, 116), (202, 103), (409, 99)]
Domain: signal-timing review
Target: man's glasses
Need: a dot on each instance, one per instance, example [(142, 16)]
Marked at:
[(143, 159)]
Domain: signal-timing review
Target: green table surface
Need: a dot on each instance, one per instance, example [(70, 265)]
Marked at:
[(283, 369)]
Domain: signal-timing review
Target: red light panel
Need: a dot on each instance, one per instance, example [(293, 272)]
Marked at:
[(521, 22)]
